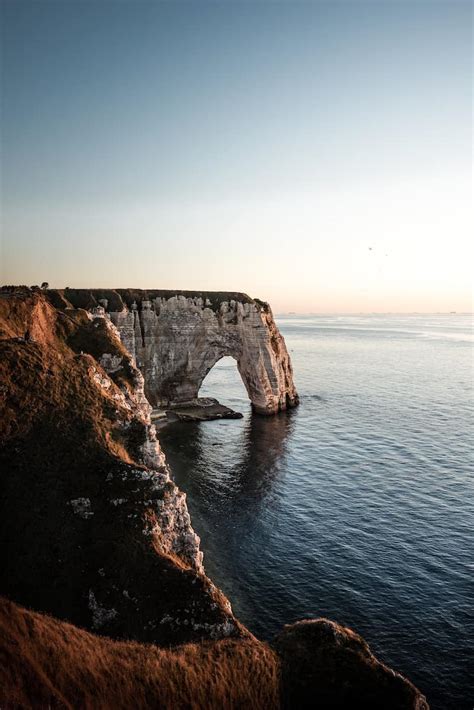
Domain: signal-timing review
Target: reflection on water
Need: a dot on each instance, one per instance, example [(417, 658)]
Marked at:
[(358, 505), (261, 456), (234, 467)]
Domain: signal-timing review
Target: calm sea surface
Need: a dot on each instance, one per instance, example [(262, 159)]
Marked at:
[(358, 505)]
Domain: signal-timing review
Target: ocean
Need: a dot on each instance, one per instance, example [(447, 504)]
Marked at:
[(358, 505)]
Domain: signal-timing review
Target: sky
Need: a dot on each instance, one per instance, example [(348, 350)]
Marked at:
[(313, 154)]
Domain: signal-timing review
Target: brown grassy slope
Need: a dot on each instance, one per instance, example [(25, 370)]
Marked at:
[(48, 373), (47, 663), (63, 438)]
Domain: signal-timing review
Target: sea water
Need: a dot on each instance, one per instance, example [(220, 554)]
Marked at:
[(358, 505)]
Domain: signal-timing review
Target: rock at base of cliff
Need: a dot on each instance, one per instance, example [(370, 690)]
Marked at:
[(326, 665), (199, 410)]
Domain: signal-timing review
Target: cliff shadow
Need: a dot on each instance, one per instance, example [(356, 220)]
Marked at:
[(224, 465)]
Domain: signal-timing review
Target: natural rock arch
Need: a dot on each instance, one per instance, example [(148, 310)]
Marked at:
[(209, 384), (177, 337)]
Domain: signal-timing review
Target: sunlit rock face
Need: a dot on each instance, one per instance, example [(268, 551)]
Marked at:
[(176, 338)]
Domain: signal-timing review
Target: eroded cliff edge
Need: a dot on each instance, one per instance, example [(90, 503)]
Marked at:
[(176, 337), (92, 527)]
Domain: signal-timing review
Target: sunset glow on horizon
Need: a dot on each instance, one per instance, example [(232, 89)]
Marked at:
[(315, 155)]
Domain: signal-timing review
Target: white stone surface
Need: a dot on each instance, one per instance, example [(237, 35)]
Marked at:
[(176, 341)]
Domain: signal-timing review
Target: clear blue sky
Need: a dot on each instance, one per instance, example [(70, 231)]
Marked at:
[(315, 154)]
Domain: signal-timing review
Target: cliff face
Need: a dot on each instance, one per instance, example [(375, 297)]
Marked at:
[(92, 528), (176, 339)]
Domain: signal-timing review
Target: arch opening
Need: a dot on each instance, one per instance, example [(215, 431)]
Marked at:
[(224, 383)]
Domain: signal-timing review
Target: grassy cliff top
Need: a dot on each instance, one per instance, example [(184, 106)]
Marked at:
[(117, 298)]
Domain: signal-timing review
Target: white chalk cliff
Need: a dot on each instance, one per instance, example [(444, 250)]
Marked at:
[(176, 339)]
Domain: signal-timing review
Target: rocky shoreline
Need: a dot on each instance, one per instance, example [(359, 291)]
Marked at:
[(203, 409)]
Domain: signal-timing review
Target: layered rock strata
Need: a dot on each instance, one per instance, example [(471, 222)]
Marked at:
[(176, 338)]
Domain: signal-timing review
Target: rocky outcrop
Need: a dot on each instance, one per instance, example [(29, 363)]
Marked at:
[(177, 337), (326, 665), (92, 527)]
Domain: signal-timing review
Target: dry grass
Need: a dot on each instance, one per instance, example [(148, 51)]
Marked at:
[(48, 663), (48, 376)]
